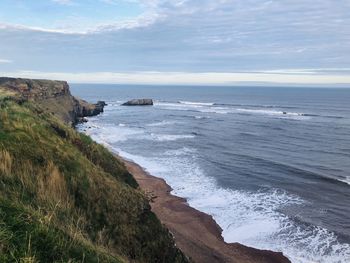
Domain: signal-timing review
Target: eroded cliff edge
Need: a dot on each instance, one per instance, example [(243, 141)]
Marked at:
[(52, 96)]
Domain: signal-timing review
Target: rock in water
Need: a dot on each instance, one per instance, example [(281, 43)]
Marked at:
[(139, 102)]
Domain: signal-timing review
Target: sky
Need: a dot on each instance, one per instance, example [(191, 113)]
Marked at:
[(214, 42)]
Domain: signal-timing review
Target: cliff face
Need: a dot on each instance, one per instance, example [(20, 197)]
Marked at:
[(52, 96), (63, 197)]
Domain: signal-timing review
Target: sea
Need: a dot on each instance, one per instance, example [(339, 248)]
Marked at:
[(270, 164)]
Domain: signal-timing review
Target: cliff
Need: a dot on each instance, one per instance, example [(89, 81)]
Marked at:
[(63, 197), (52, 96)]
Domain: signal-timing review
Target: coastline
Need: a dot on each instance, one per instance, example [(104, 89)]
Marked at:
[(196, 233)]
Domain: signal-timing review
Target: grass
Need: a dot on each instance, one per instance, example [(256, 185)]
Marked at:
[(5, 93), (65, 198), (5, 162), (25, 237)]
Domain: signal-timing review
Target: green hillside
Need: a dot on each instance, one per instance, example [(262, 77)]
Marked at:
[(65, 198)]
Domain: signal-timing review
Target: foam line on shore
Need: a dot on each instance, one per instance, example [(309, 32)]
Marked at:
[(251, 218)]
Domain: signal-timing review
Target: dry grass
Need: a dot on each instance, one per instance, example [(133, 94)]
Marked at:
[(5, 163), (71, 195), (4, 92), (4, 116), (52, 186), (28, 260)]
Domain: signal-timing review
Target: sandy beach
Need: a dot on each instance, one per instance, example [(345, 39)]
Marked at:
[(196, 233)]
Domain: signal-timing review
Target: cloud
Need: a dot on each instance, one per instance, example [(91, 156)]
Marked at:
[(185, 78), (5, 61), (116, 2), (75, 16), (63, 2), (193, 36), (138, 22), (18, 28)]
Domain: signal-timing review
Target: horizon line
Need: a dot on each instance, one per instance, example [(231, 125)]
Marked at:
[(301, 77)]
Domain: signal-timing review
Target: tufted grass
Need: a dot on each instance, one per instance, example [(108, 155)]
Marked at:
[(65, 198)]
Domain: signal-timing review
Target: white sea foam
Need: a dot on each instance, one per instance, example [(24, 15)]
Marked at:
[(196, 103), (218, 110), (170, 137), (199, 107), (120, 133), (274, 114), (251, 218), (162, 123), (181, 151), (113, 134), (345, 180), (201, 117), (294, 115), (215, 109), (177, 106), (268, 112)]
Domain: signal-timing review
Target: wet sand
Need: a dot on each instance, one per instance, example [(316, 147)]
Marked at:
[(196, 233)]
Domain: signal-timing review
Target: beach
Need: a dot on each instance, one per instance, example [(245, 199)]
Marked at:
[(195, 233)]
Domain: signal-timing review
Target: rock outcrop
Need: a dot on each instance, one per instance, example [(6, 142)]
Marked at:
[(86, 109), (52, 96), (139, 102)]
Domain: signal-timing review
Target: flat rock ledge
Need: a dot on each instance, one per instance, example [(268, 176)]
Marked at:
[(139, 102)]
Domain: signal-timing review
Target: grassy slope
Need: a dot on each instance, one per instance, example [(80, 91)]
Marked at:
[(64, 198)]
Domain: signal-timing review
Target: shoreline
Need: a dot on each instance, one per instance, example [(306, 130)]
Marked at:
[(196, 233)]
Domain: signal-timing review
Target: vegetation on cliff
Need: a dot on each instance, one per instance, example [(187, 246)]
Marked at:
[(51, 96), (65, 198)]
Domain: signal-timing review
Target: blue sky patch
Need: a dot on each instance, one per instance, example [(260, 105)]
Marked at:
[(67, 14)]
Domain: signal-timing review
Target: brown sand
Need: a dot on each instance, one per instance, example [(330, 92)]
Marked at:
[(196, 233)]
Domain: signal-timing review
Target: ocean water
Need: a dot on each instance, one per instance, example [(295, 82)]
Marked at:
[(271, 165)]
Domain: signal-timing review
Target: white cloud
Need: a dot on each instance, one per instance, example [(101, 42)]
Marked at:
[(115, 2), (309, 71), (17, 27), (193, 36), (75, 28), (183, 78), (141, 21), (63, 2), (5, 61), (80, 24)]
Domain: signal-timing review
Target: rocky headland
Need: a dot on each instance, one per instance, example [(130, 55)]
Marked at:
[(52, 96)]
